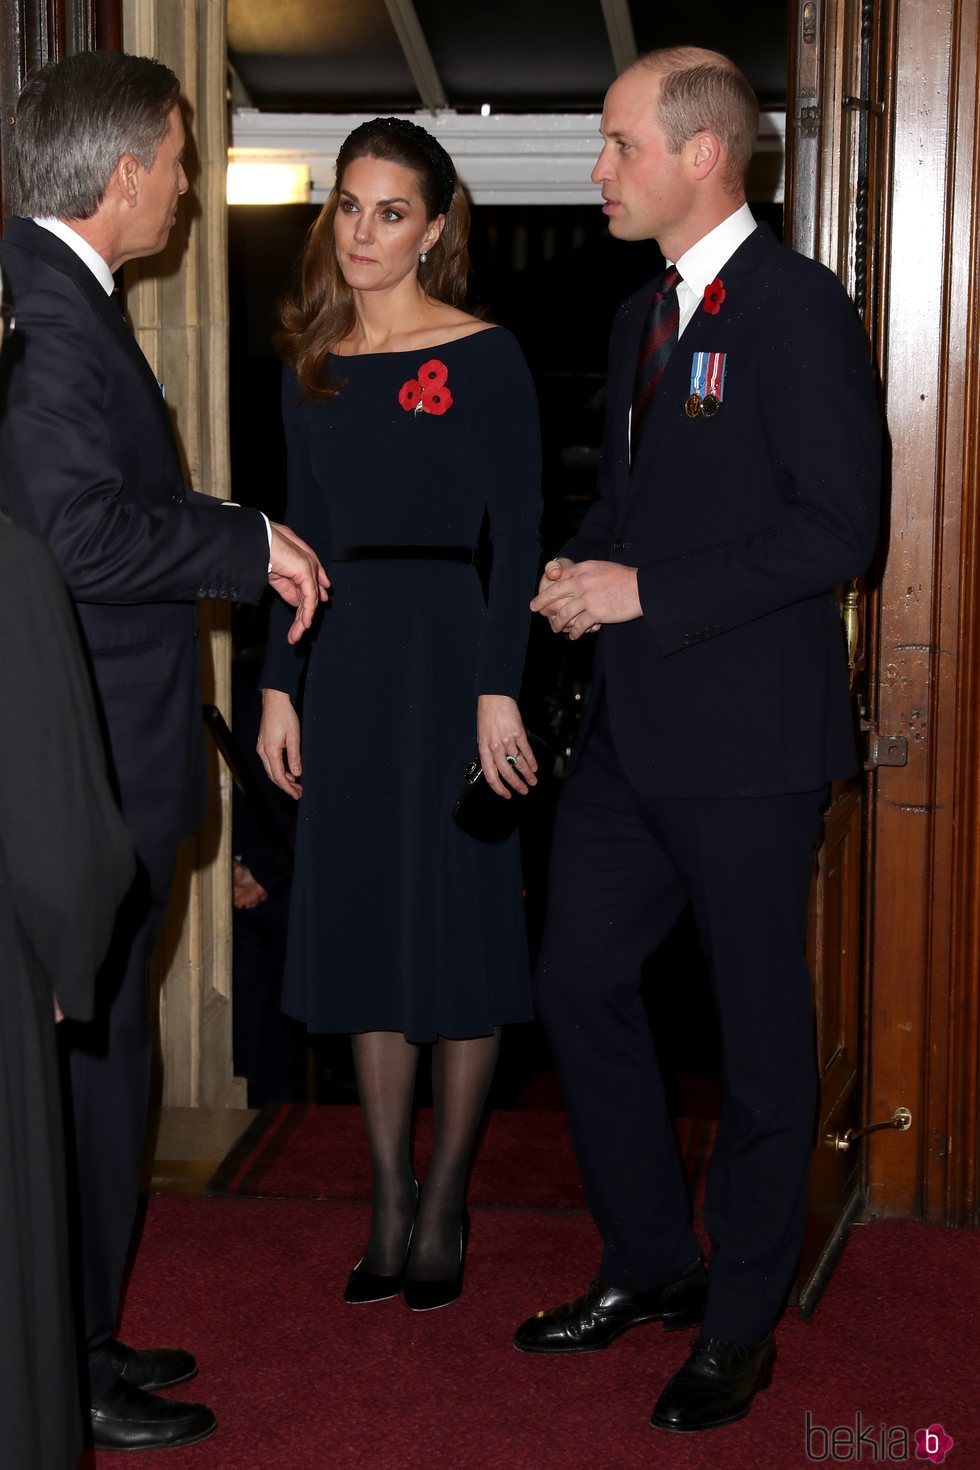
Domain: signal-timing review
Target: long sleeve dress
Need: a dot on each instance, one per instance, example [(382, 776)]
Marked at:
[(400, 921)]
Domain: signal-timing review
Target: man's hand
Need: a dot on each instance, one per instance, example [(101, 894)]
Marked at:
[(579, 597), (298, 577)]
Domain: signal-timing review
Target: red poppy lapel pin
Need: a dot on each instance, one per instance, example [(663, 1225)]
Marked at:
[(714, 295), (427, 393)]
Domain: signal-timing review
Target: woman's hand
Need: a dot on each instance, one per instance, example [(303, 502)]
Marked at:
[(278, 732), (505, 752)]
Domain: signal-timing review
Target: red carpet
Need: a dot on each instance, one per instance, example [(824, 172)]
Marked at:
[(299, 1381), (525, 1158)]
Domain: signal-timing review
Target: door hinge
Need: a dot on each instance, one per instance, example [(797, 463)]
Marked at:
[(809, 23), (809, 122), (884, 750)]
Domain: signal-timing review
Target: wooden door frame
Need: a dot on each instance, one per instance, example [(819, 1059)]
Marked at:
[(833, 153), (922, 896), (924, 992)]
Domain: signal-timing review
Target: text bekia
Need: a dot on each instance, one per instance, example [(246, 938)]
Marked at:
[(874, 1443)]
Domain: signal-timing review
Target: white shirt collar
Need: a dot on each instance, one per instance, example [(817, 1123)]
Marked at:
[(701, 265), (85, 252)]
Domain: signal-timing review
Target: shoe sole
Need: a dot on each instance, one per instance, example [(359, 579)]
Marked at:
[(697, 1428), (673, 1322), (170, 1444)]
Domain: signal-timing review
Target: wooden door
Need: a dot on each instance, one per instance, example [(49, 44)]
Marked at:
[(834, 151)]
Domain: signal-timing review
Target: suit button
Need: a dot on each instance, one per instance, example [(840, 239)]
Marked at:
[(619, 546), (212, 591), (177, 499)]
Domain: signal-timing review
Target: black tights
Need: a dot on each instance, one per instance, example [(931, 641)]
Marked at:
[(386, 1065)]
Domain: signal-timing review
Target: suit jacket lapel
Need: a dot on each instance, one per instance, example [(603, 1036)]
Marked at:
[(619, 393), (671, 392)]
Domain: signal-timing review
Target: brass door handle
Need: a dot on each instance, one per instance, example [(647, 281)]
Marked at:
[(901, 1119)]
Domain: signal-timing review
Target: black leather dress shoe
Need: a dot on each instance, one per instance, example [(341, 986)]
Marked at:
[(127, 1418), (150, 1368), (715, 1386), (594, 1320)]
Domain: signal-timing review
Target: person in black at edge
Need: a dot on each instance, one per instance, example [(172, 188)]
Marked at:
[(66, 861), (90, 464)]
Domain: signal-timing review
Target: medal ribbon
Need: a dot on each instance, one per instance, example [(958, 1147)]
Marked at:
[(699, 373), (715, 375)]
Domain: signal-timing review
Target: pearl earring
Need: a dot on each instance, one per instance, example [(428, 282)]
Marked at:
[(423, 257)]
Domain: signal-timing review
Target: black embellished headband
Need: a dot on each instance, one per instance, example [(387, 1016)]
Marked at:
[(431, 149)]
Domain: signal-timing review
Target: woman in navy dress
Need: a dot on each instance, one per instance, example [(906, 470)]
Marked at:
[(408, 423)]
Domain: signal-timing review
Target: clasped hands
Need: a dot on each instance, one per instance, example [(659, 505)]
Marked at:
[(577, 597)]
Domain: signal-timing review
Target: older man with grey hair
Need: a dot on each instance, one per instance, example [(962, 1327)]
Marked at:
[(90, 465)]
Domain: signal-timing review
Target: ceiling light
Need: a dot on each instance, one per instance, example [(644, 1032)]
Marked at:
[(268, 183)]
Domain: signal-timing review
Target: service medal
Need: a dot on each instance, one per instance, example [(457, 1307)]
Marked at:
[(707, 385)]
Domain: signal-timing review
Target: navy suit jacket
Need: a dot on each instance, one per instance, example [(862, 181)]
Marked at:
[(734, 681), (88, 461)]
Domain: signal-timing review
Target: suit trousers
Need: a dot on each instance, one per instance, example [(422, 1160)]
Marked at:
[(624, 865), (108, 1065)]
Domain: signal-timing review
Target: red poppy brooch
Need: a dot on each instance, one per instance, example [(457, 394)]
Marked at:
[(428, 392), (714, 295)]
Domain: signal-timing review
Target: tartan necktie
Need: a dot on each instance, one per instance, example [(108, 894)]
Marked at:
[(659, 337)]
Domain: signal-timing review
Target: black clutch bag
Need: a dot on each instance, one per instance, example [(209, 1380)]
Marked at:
[(482, 813)]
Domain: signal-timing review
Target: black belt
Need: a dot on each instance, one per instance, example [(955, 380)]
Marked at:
[(463, 554)]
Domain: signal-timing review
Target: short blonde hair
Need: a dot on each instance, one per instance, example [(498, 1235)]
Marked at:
[(704, 90)]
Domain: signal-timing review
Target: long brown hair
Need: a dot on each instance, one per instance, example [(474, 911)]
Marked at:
[(321, 314)]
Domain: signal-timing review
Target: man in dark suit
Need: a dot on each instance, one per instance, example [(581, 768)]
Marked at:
[(739, 485), (90, 464), (66, 860)]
